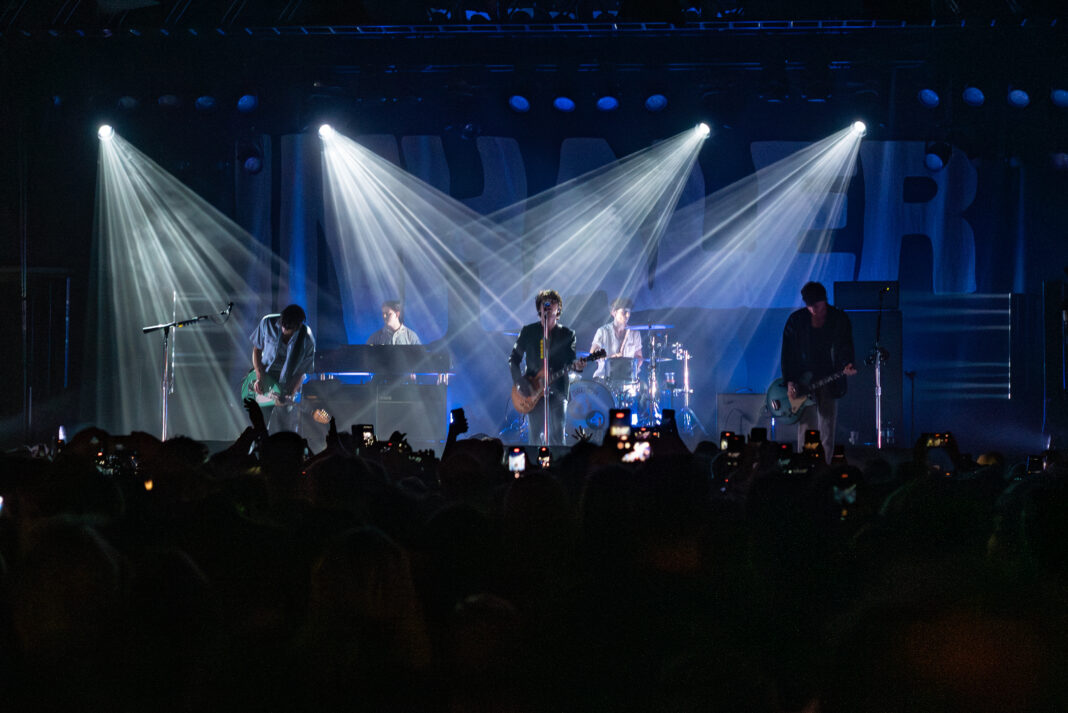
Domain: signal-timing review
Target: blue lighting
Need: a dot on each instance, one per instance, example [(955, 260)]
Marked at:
[(1059, 97), (929, 98), (937, 156), (973, 96), (1019, 98), (205, 103), (519, 103), (169, 100), (248, 103), (564, 104), (656, 102), (607, 103)]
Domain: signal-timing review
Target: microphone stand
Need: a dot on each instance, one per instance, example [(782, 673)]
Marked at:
[(545, 370), (167, 381), (878, 357)]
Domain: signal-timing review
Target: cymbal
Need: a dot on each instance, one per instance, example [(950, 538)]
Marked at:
[(650, 327)]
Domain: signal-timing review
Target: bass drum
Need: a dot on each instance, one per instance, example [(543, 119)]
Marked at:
[(589, 408)]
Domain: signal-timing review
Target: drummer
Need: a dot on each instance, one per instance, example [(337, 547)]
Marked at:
[(617, 340)]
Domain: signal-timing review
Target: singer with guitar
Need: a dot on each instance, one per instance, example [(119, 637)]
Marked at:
[(283, 350), (817, 346), (526, 363)]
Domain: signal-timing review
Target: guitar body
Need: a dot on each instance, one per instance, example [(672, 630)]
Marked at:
[(781, 407), (271, 395), (788, 411), (525, 404)]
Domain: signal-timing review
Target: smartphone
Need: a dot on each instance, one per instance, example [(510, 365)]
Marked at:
[(517, 460), (735, 446), (936, 440), (838, 457), (639, 452), (365, 432), (812, 443), (619, 425), (1034, 465), (545, 457), (723, 436), (455, 415), (758, 435)]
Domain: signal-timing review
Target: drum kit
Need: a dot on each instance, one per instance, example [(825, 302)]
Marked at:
[(661, 381)]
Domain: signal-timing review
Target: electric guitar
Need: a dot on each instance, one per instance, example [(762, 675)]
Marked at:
[(526, 404), (786, 410), (272, 390)]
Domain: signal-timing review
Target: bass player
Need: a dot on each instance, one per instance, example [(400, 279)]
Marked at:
[(817, 342), (529, 349)]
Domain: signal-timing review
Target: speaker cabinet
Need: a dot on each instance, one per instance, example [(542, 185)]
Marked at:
[(417, 410), (740, 413)]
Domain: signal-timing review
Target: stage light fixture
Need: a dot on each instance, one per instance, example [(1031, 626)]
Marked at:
[(248, 103), (128, 103), (205, 103), (656, 102), (169, 101), (105, 132), (860, 128), (521, 15), (936, 155), (253, 164), (1059, 97), (1018, 98), (519, 103), (326, 131), (703, 130), (564, 104), (607, 103), (929, 98), (973, 96)]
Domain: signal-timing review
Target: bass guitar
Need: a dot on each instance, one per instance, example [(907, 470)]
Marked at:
[(272, 390), (526, 404), (786, 410)]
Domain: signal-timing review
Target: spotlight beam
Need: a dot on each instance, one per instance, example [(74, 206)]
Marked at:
[(162, 252)]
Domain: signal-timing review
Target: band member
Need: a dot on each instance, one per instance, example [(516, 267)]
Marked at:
[(393, 329), (529, 348), (816, 343), (616, 339), (283, 351)]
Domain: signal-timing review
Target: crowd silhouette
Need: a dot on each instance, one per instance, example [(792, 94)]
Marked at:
[(147, 575)]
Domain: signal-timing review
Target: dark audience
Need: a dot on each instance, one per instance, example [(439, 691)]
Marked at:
[(145, 575)]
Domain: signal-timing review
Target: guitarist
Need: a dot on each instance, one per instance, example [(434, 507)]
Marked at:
[(817, 342), (283, 350), (528, 348)]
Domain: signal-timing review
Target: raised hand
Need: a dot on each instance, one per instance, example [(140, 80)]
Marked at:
[(255, 415)]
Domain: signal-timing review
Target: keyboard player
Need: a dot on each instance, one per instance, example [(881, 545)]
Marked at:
[(394, 331)]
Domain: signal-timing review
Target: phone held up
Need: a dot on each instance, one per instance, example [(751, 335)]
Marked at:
[(517, 461)]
